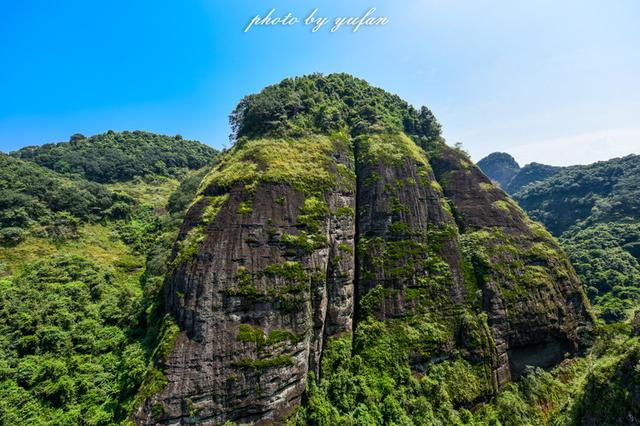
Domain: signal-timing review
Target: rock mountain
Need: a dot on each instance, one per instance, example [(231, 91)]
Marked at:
[(339, 257), (503, 169)]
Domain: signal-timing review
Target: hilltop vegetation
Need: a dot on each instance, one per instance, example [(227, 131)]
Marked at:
[(325, 104), (80, 275), (113, 157)]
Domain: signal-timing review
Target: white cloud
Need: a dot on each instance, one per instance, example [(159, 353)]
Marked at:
[(584, 148)]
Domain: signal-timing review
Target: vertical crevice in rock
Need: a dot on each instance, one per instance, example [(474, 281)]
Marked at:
[(328, 279), (356, 242)]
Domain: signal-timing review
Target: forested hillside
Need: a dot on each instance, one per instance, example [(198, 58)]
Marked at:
[(532, 172), (113, 157), (81, 268), (34, 198)]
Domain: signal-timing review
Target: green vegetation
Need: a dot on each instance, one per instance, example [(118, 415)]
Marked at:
[(606, 256), (255, 335), (316, 104), (188, 246), (530, 173), (287, 296), (585, 195), (184, 195), (113, 157), (306, 164), (391, 149), (372, 384), (155, 379), (246, 287), (258, 365), (291, 272), (500, 167), (245, 207), (83, 334), (34, 199)]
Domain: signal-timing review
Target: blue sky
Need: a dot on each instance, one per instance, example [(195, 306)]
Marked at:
[(549, 81)]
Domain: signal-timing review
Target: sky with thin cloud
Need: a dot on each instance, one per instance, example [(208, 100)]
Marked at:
[(555, 82)]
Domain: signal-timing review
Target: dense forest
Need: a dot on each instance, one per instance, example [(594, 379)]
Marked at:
[(595, 212), (324, 104), (81, 269), (115, 157)]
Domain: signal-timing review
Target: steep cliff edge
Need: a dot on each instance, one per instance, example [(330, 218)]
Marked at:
[(536, 307), (260, 280), (332, 266)]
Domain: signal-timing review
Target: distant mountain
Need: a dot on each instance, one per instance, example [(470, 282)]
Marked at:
[(117, 157), (585, 195), (503, 169), (500, 167), (595, 211), (530, 173)]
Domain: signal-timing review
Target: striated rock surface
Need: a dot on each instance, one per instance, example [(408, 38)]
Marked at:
[(346, 248), (260, 281), (535, 303)]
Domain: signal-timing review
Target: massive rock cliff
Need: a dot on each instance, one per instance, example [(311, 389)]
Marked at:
[(341, 246)]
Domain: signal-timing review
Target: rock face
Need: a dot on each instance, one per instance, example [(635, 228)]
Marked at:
[(260, 286), (297, 241), (536, 307)]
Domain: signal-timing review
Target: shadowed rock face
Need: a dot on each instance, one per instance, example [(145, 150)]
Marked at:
[(294, 242)]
